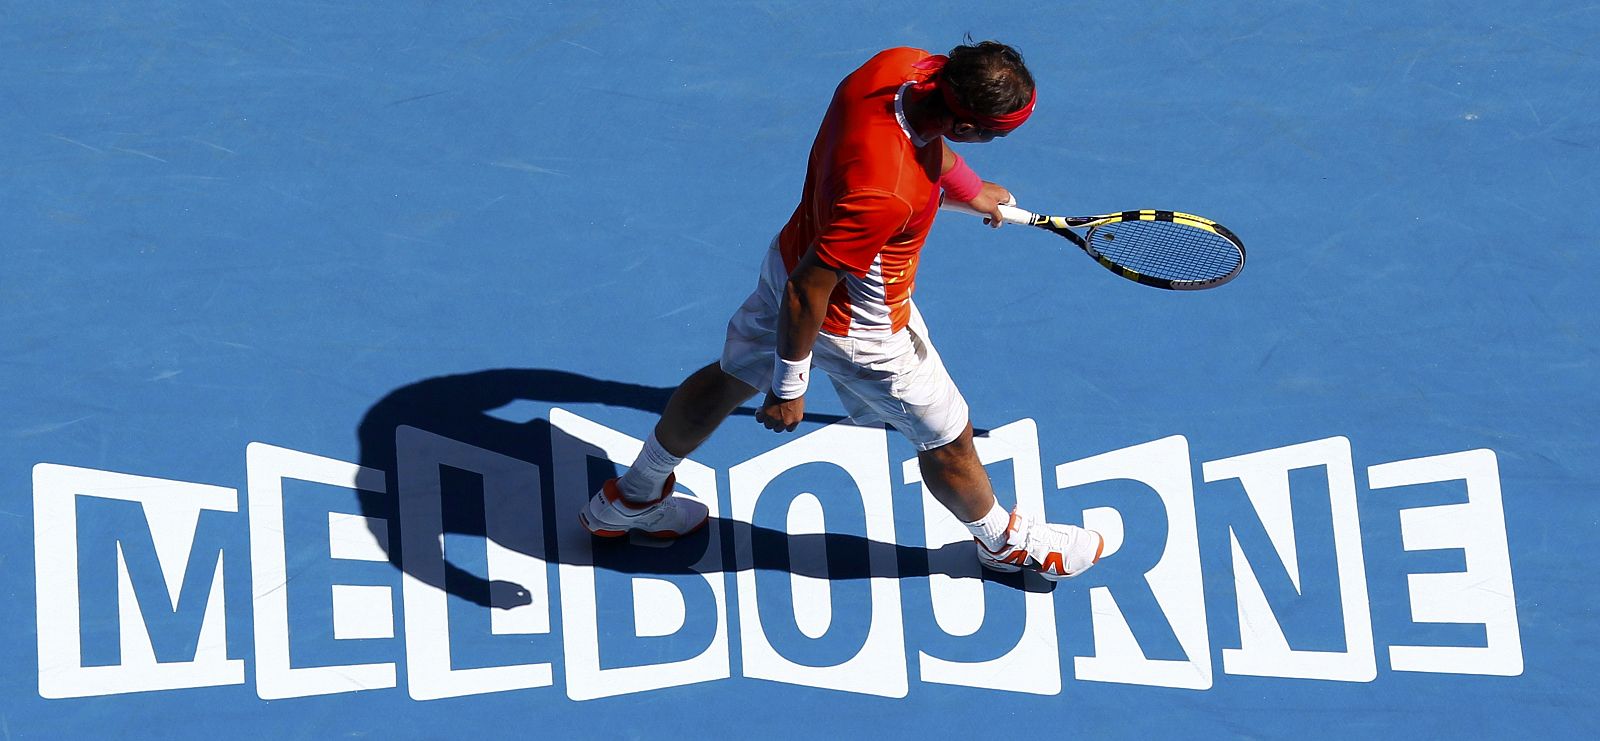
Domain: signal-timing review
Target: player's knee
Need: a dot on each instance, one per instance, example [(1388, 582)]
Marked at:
[(959, 452), (714, 386), (711, 394)]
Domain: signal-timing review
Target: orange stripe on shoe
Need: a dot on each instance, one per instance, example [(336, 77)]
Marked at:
[(610, 491)]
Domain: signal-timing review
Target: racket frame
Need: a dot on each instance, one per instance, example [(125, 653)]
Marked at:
[(1066, 226)]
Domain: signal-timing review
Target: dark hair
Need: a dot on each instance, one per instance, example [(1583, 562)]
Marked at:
[(988, 78)]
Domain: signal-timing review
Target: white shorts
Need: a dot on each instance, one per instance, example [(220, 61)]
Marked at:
[(898, 379)]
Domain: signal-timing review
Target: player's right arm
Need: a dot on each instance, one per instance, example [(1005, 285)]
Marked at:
[(860, 223), (805, 303)]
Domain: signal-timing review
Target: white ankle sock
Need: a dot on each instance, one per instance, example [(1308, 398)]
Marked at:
[(649, 471), (991, 530)]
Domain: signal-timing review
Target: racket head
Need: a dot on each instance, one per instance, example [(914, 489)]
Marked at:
[(1164, 249)]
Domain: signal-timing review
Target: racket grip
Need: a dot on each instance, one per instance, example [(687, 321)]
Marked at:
[(1010, 213)]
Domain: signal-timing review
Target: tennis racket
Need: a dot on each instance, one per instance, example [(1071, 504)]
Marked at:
[(1164, 249)]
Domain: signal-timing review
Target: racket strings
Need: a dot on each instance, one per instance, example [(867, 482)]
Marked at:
[(1167, 250)]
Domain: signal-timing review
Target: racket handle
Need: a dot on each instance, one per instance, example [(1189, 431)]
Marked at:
[(1010, 213)]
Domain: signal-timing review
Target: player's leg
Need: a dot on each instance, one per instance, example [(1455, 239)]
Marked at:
[(698, 407), (1006, 542), (904, 382), (957, 479), (641, 499)]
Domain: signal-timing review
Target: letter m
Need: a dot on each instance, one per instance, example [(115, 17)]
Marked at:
[(136, 559)]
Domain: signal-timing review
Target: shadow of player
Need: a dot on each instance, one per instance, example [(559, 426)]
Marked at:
[(460, 407)]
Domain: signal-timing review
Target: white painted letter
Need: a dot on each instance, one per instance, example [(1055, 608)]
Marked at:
[(573, 440), (172, 509), (359, 613), (879, 667), (1033, 665), (1483, 593), (511, 502), (1162, 465), (1263, 649)]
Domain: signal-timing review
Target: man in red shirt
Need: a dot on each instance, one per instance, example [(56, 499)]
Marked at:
[(835, 292)]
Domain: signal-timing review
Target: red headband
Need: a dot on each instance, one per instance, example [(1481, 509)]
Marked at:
[(1004, 122)]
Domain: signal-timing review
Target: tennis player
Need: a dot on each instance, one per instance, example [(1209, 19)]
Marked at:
[(835, 294)]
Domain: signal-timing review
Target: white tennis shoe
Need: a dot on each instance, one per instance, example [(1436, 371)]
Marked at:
[(609, 515), (1055, 551)]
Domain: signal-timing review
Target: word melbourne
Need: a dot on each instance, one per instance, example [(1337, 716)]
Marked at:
[(842, 578)]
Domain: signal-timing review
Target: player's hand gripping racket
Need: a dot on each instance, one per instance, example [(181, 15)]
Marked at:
[(1165, 249)]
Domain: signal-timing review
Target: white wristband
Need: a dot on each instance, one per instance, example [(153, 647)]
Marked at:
[(789, 377)]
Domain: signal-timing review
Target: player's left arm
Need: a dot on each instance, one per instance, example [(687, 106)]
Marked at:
[(954, 174)]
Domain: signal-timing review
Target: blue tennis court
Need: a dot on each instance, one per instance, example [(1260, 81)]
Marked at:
[(323, 320)]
